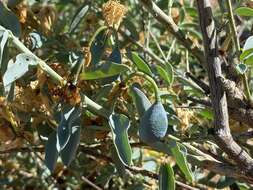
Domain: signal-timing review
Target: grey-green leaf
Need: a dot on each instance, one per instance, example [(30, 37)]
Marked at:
[(97, 45), (104, 70), (9, 20), (68, 153), (119, 125), (4, 35), (141, 102), (51, 153), (181, 161), (140, 63), (69, 115), (17, 70), (241, 68), (118, 163), (167, 76), (166, 177), (80, 14)]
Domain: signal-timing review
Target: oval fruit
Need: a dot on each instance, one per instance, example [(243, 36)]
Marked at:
[(153, 124), (141, 102)]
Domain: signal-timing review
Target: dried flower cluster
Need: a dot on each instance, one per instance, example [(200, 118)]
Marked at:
[(113, 13)]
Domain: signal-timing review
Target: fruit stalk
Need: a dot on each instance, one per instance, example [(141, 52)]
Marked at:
[(149, 79)]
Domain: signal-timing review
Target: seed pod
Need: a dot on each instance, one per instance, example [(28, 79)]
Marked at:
[(142, 103), (154, 124)]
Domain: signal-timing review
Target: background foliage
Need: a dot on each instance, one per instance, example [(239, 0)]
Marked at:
[(115, 73)]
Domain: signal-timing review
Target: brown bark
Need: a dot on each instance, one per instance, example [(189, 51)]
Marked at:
[(223, 136)]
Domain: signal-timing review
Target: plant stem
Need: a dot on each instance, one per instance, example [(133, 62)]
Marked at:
[(237, 45), (158, 45), (151, 80), (41, 63), (89, 103), (93, 106), (96, 33), (233, 27)]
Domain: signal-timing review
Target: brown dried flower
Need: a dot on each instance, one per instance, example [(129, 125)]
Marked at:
[(113, 13), (46, 16)]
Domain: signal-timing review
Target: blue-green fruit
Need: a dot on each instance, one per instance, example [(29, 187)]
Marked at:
[(141, 102), (153, 124)]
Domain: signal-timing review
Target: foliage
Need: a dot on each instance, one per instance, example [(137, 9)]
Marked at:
[(100, 94)]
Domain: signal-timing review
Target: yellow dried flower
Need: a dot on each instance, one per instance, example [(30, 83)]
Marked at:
[(47, 16), (21, 12), (113, 13)]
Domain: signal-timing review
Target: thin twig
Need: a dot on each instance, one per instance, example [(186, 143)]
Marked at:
[(90, 183), (41, 63), (237, 45), (158, 45), (173, 29)]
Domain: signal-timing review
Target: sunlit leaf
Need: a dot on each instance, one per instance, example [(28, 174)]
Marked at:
[(119, 124), (241, 68), (166, 177), (17, 70), (104, 70), (4, 35), (244, 11), (68, 153), (167, 75), (80, 14), (69, 114), (140, 63), (181, 161), (245, 54), (248, 43)]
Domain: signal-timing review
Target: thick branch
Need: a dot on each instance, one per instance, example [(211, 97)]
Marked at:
[(173, 28), (244, 115), (218, 96)]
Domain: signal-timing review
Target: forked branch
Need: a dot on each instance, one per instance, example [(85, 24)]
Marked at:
[(218, 96)]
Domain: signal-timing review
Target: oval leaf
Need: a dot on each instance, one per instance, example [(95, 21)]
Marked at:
[(141, 101), (244, 11), (51, 153), (163, 73), (97, 45), (246, 54), (81, 12), (4, 35), (17, 70), (118, 164), (181, 161), (9, 20), (68, 116), (248, 43), (166, 177), (241, 68), (104, 70), (68, 153), (114, 57), (119, 124), (140, 63)]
